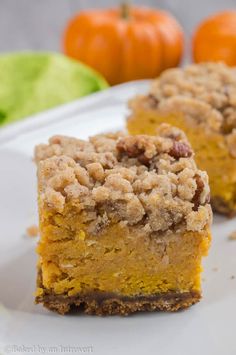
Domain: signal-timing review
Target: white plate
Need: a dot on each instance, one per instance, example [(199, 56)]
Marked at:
[(206, 328)]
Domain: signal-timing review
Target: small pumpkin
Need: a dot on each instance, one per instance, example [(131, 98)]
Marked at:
[(215, 39), (125, 43)]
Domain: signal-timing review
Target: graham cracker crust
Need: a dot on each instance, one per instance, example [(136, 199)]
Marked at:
[(102, 303)]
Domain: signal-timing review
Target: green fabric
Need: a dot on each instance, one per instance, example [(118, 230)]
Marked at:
[(31, 82)]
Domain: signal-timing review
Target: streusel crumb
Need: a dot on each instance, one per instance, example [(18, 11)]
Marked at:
[(232, 235), (151, 181), (205, 93), (32, 231)]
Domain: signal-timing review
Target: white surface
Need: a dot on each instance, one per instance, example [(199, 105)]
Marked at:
[(206, 328)]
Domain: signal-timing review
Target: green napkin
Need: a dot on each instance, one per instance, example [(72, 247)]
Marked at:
[(31, 82)]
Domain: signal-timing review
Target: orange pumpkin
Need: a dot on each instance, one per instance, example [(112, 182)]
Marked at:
[(215, 39), (125, 44)]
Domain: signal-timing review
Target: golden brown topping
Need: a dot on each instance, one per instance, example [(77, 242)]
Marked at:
[(146, 148), (180, 150), (139, 147), (130, 179), (205, 93)]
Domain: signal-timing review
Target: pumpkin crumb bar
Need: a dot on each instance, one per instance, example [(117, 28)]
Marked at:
[(200, 99), (124, 223)]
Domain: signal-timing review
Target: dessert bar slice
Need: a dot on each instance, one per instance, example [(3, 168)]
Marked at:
[(124, 223), (201, 100)]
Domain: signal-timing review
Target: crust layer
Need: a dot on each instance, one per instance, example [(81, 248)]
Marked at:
[(111, 304), (102, 303)]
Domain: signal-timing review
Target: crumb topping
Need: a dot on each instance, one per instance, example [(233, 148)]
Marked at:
[(205, 93), (147, 181)]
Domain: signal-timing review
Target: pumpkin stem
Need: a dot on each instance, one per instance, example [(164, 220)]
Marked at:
[(125, 10)]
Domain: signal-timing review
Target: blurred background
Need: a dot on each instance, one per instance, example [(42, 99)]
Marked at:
[(38, 24), (102, 48)]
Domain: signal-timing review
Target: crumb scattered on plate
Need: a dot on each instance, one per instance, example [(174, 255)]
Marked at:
[(232, 236), (232, 277), (215, 268), (32, 231)]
